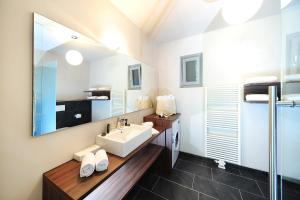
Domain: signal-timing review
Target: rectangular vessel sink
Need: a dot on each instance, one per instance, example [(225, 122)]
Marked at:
[(123, 141)]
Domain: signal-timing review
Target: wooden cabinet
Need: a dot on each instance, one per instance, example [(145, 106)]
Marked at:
[(165, 123), (63, 182)]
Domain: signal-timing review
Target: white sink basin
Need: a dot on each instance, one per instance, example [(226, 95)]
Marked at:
[(123, 141)]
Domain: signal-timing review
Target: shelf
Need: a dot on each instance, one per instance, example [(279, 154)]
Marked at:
[(65, 178), (118, 185), (260, 88)]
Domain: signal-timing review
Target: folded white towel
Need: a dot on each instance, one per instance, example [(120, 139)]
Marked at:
[(257, 97), (148, 124), (101, 160), (154, 131), (261, 79), (87, 165), (98, 97)]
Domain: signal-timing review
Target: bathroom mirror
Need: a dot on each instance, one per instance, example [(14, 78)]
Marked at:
[(78, 80)]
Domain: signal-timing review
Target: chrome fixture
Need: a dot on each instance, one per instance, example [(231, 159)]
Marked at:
[(273, 180)]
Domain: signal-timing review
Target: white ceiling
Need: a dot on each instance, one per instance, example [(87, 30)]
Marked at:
[(167, 20), (144, 13)]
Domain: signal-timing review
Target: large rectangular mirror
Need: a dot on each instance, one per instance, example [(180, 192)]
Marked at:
[(78, 80)]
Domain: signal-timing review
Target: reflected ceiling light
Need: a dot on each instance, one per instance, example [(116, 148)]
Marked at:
[(240, 11), (285, 3), (74, 57)]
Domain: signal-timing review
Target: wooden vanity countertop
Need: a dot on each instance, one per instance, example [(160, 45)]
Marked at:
[(65, 178)]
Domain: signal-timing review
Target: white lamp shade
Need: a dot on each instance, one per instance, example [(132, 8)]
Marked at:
[(74, 57), (240, 11)]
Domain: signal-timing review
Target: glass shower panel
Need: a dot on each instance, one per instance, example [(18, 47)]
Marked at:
[(289, 131)]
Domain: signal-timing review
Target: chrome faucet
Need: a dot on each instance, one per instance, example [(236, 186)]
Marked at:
[(118, 122), (121, 123)]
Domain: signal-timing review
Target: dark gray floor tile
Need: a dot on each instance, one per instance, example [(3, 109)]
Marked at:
[(254, 174), (216, 190), (236, 181), (174, 191), (146, 195), (290, 195), (208, 162), (194, 168), (234, 169), (132, 194), (264, 187), (230, 169), (249, 196), (287, 193), (148, 181), (181, 177), (197, 160), (205, 197), (291, 186)]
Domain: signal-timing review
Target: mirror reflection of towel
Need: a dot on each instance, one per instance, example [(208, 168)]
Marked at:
[(144, 102)]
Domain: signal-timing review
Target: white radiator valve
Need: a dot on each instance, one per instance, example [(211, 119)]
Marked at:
[(221, 163)]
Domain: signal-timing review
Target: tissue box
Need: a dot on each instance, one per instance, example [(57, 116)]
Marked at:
[(79, 155)]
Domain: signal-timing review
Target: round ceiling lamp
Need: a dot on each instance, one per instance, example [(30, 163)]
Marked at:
[(240, 11), (74, 57)]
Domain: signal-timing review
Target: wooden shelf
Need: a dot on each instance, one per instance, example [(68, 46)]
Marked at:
[(260, 88), (65, 179), (118, 185)]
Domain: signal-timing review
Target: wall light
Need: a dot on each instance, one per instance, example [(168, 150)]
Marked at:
[(240, 11), (74, 57)]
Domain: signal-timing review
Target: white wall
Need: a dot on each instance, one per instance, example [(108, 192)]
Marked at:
[(23, 158), (290, 126), (230, 55), (190, 101), (234, 53)]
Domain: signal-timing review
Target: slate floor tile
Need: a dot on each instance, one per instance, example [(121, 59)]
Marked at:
[(148, 181), (180, 177), (193, 168), (146, 195), (133, 193), (197, 160), (254, 174), (205, 197), (236, 181), (216, 190), (287, 193), (173, 191), (249, 196)]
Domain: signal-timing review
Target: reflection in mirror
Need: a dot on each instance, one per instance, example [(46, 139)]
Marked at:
[(77, 80)]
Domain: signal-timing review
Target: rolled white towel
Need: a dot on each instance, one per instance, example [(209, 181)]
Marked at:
[(101, 160), (87, 165)]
